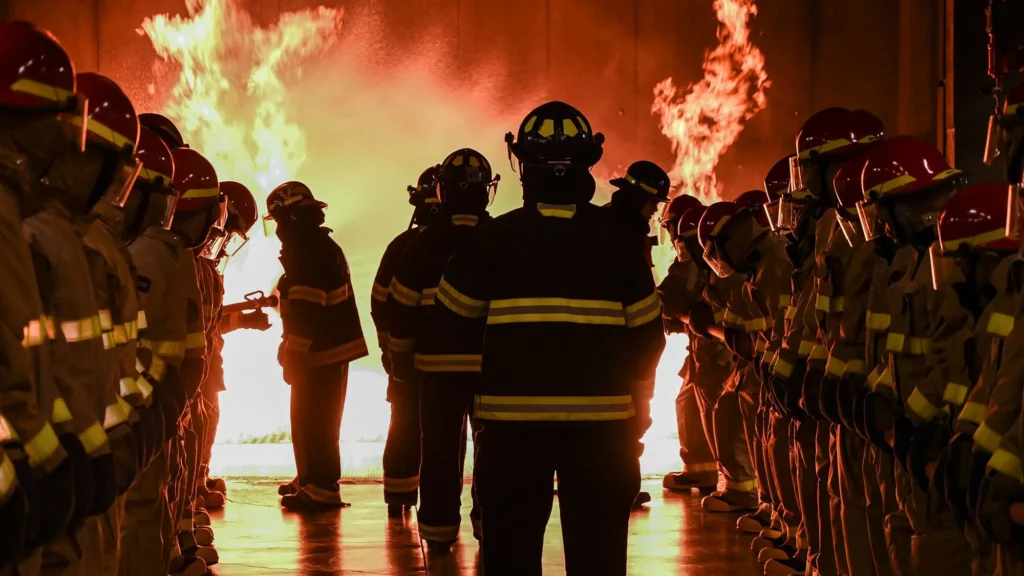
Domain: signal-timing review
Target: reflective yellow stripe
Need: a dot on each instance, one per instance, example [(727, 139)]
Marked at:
[(824, 303), (878, 322), (128, 386), (819, 352), (401, 344), (921, 405), (701, 467), (1006, 462), (339, 354), (380, 293), (81, 330), (142, 320), (973, 412), (987, 438), (7, 432), (465, 219), (93, 437), (120, 335), (34, 333), (920, 346), (783, 368), (745, 486), (894, 342), (519, 310), (642, 312), (195, 340), (761, 345), (403, 295), (108, 340), (401, 484), (731, 318), (307, 294), (835, 366), (554, 408), (557, 210), (429, 297), (116, 413), (46, 91), (438, 533), (60, 413), (881, 376), (838, 304), (8, 478), (447, 362), (720, 316), (955, 393), (756, 325), (770, 356), (855, 367), (42, 446), (805, 348), (297, 344), (167, 348), (790, 313), (338, 295), (157, 368), (784, 301), (106, 321), (1000, 324), (201, 193), (144, 386)]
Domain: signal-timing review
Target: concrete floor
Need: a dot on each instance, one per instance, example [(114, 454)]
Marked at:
[(255, 537)]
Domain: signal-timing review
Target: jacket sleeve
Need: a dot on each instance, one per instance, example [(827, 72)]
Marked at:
[(1004, 404), (775, 286), (105, 284), (465, 291), (325, 328), (798, 340), (404, 295), (680, 290), (845, 329), (945, 357), (645, 336), (380, 309)]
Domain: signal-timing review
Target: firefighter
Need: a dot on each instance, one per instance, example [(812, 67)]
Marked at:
[(570, 319), (240, 216), (825, 142), (111, 149), (681, 289), (402, 448), (32, 135), (906, 183), (737, 241), (164, 128), (161, 346), (638, 194), (427, 352), (975, 257), (322, 336)]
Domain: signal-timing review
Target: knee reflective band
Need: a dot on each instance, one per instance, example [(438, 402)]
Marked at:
[(116, 413), (439, 533), (921, 405), (39, 449), (400, 485), (554, 408), (428, 297)]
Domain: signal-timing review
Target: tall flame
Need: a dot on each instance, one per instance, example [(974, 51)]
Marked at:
[(709, 119)]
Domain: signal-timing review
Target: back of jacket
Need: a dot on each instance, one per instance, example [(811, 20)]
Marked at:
[(417, 326), (318, 307), (67, 290), (569, 311), (380, 311)]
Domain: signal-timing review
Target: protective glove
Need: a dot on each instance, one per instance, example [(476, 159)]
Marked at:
[(811, 393), (84, 492), (740, 342), (403, 366), (28, 486), (701, 318), (998, 492), (979, 469), (952, 475), (14, 526), (929, 440), (255, 320), (105, 481), (879, 417), (56, 501), (903, 435), (828, 400), (123, 447)]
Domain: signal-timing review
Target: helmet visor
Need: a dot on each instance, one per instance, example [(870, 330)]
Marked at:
[(796, 175), (269, 225), (234, 243), (772, 210), (222, 264), (124, 180), (870, 226), (77, 122), (214, 244), (791, 211), (945, 271), (168, 217), (716, 260), (851, 228), (993, 142)]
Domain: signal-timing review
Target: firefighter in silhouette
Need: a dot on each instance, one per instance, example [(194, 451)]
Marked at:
[(681, 289), (402, 448), (322, 336), (429, 352), (565, 304)]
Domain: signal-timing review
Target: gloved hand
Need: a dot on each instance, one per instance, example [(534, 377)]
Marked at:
[(28, 486), (979, 469), (123, 447), (84, 479), (998, 492), (828, 400), (255, 320), (928, 441), (14, 525), (879, 417), (403, 367), (740, 342), (811, 393), (952, 475), (105, 483), (56, 502), (903, 434), (701, 318)]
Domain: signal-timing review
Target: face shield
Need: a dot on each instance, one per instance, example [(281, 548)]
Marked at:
[(870, 225), (994, 142), (773, 211), (125, 175), (850, 227), (222, 264), (269, 225), (168, 217), (714, 255), (214, 243), (234, 243), (791, 211), (945, 268), (77, 122)]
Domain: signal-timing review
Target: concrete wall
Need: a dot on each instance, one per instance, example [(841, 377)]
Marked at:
[(605, 56)]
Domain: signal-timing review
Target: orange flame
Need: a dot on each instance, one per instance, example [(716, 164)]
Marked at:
[(704, 124)]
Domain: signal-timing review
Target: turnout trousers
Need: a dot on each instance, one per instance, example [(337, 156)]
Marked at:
[(402, 447), (598, 478), (318, 401)]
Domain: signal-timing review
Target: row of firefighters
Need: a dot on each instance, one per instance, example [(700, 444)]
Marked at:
[(113, 238), (853, 368)]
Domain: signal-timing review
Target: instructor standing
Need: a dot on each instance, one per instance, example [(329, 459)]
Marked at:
[(321, 336)]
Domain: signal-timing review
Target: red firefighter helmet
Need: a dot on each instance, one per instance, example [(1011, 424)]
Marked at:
[(35, 70), (835, 131), (157, 160), (195, 180), (166, 129), (776, 185), (287, 196), (689, 223), (715, 221), (904, 165), (243, 204), (112, 119), (976, 218), (754, 201), (675, 209)]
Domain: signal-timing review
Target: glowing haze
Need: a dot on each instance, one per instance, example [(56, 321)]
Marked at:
[(703, 124)]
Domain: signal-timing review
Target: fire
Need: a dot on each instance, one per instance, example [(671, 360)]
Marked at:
[(710, 118)]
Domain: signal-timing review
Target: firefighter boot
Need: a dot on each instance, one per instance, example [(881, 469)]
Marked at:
[(217, 485), (755, 522), (641, 499), (289, 489)]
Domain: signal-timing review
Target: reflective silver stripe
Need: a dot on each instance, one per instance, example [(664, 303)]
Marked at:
[(116, 413), (554, 408), (129, 386), (108, 340), (106, 321), (82, 329), (570, 310), (447, 362)]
